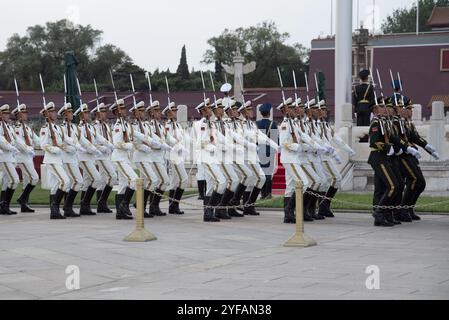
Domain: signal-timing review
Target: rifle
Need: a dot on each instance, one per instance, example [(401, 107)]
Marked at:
[(375, 98), (147, 75), (42, 87), (168, 90), (295, 139), (17, 92), (296, 99), (124, 131), (132, 87), (79, 90), (65, 90), (308, 101), (204, 99), (96, 91)]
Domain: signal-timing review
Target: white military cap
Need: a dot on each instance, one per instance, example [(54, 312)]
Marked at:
[(171, 106), (230, 105), (21, 108), (100, 108), (82, 108), (118, 103), (310, 104), (226, 87), (218, 104), (247, 104), (139, 106), (4, 108), (154, 105), (48, 107), (321, 104), (65, 107), (299, 103), (288, 103), (202, 105)]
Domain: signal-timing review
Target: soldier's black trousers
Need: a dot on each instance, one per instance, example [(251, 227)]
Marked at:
[(398, 171), (385, 180), (414, 179)]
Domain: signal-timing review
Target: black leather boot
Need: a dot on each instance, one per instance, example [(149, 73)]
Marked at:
[(85, 209), (201, 189), (102, 200), (68, 204), (231, 211), (154, 207), (251, 210), (379, 219), (174, 206), (306, 207), (413, 215), (324, 207), (146, 195), (171, 195), (119, 213), (8, 197), (288, 210), (223, 213), (245, 199), (23, 199), (312, 207), (389, 216), (55, 201), (2, 203), (213, 202), (239, 192), (124, 205), (403, 215)]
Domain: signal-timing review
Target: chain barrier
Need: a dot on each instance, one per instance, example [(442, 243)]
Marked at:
[(368, 206)]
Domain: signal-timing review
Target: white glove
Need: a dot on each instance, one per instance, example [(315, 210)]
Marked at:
[(128, 146), (14, 150), (55, 150), (391, 152), (399, 152), (435, 155), (81, 149), (320, 150), (337, 159), (166, 147), (430, 148), (411, 151), (103, 149), (98, 153), (352, 153)]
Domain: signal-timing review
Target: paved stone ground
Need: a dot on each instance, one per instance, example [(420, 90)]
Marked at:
[(238, 259)]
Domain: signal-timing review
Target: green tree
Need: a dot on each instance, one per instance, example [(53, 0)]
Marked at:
[(263, 44), (183, 68), (403, 20)]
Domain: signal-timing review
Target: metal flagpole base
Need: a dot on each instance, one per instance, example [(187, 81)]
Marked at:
[(299, 239), (140, 234)]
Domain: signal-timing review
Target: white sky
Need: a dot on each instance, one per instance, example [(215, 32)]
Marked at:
[(153, 32)]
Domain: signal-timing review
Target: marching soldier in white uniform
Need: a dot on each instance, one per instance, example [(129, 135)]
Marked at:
[(176, 158), (143, 152), (291, 148), (205, 138), (87, 156), (105, 167), (227, 148), (158, 159), (27, 141), (8, 145), (121, 137), (254, 136), (70, 159), (51, 141), (330, 162)]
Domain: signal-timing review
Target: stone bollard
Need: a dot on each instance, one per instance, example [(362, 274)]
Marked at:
[(140, 234), (299, 239), (417, 114)]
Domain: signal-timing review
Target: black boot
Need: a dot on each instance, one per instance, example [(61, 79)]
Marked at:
[(312, 207), (154, 207), (102, 200), (201, 189), (146, 195), (413, 215), (8, 197), (209, 215), (388, 215), (55, 201), (288, 210), (3, 204), (174, 208), (403, 215), (85, 209), (379, 219), (23, 199), (223, 213), (231, 211), (245, 199), (171, 195), (98, 194), (306, 205), (239, 192), (124, 205), (68, 204), (324, 207), (251, 201), (119, 213)]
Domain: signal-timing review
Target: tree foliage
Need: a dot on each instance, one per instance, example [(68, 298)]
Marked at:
[(403, 20), (183, 68), (265, 45)]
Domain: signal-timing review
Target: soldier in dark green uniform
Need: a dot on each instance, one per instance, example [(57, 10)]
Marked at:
[(363, 99), (385, 181)]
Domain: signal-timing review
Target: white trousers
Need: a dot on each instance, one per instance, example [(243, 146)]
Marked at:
[(178, 176), (58, 178), (245, 175), (200, 172), (91, 176), (161, 171), (293, 175), (127, 177), (150, 178), (215, 179), (258, 176), (29, 174), (232, 179), (333, 171), (10, 175), (314, 178), (75, 177), (107, 172)]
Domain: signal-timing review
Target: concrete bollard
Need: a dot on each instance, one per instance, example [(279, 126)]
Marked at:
[(299, 239), (140, 234)]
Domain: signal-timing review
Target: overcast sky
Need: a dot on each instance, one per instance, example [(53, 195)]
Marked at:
[(153, 32)]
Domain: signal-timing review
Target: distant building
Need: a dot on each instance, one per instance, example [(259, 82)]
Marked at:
[(422, 60)]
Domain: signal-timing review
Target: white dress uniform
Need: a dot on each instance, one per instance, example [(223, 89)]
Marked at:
[(105, 167), (158, 156), (69, 155), (9, 144), (27, 141)]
